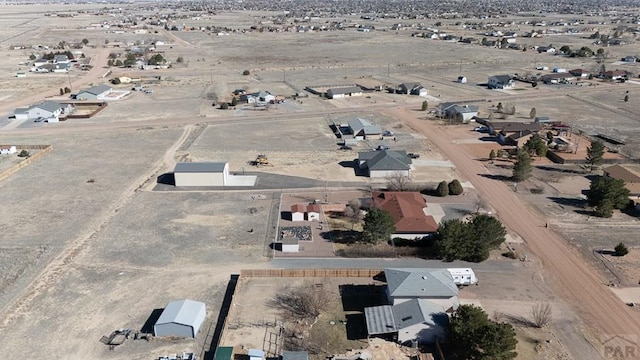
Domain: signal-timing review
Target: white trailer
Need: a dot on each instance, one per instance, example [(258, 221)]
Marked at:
[(463, 276)]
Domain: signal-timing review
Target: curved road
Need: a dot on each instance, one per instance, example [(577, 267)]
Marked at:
[(571, 278)]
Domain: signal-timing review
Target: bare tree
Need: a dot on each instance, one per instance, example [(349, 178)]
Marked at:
[(302, 302), (398, 182), (541, 314), (353, 212)]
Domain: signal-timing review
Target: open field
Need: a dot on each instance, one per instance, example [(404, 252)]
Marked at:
[(89, 246)]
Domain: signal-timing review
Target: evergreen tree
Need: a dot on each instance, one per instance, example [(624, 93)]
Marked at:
[(522, 168)]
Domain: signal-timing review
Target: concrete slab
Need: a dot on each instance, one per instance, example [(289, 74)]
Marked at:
[(241, 180), (434, 163), (628, 295), (436, 211)]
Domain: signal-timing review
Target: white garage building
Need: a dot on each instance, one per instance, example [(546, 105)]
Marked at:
[(181, 318), (201, 174)]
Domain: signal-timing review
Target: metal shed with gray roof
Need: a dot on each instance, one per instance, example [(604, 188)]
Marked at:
[(201, 174), (181, 318)]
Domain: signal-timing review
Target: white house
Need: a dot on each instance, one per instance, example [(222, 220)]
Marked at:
[(435, 285), (260, 97), (385, 163), (8, 150), (343, 92), (98, 92), (460, 113), (46, 109), (501, 82)]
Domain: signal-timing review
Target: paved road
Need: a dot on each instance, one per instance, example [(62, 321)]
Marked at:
[(345, 263), (572, 279)]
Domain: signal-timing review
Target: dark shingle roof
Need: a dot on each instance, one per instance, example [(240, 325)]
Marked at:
[(386, 160)]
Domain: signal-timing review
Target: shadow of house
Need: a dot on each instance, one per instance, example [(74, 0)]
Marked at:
[(356, 326), (357, 170), (359, 297), (147, 328), (222, 317), (167, 179)]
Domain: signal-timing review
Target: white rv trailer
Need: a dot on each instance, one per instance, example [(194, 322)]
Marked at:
[(463, 276)]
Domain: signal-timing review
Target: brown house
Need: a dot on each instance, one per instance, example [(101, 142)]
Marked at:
[(630, 178), (407, 211)]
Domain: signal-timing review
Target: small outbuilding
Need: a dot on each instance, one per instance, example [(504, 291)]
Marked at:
[(201, 174), (313, 212), (181, 318), (297, 212), (290, 245), (256, 354)]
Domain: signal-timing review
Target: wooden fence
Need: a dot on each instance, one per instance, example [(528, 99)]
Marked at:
[(310, 272)]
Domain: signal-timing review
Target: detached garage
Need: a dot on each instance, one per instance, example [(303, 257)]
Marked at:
[(201, 174), (181, 318)]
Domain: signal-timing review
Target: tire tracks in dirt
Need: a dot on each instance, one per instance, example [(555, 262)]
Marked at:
[(64, 260)]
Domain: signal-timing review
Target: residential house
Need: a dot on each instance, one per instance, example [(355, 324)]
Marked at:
[(343, 92), (385, 163), (361, 129), (98, 92), (411, 89), (407, 208), (297, 212), (580, 73), (435, 285), (630, 177), (260, 97), (61, 59), (8, 150), (557, 78), (546, 49), (460, 113), (615, 75), (415, 321), (46, 109), (513, 133), (501, 82)]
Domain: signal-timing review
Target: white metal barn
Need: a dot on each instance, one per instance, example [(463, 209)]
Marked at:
[(181, 318), (201, 174)]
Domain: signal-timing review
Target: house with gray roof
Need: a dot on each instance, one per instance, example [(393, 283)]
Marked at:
[(435, 285), (47, 109), (343, 92), (385, 163), (362, 128), (460, 113), (260, 97), (420, 300), (501, 82), (413, 88), (98, 92)]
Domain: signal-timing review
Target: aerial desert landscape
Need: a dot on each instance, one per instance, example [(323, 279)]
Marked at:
[(295, 180)]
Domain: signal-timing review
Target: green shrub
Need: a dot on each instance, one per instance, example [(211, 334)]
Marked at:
[(621, 250), (455, 188), (443, 189)]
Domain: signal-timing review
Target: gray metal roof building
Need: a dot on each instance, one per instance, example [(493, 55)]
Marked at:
[(201, 174), (380, 320), (181, 318), (407, 283)]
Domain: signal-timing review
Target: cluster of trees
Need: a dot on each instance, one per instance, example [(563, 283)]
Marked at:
[(51, 55), (452, 188), (582, 52), (472, 335), (606, 194), (65, 90), (469, 241)]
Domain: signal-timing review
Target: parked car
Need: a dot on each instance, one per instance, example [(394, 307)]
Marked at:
[(481, 129), (346, 147), (382, 147), (413, 155), (387, 133), (40, 119)]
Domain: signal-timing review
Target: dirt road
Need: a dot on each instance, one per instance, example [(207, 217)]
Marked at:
[(570, 277), (98, 62)]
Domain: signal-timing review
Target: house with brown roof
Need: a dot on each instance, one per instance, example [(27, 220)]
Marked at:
[(630, 177), (513, 133), (615, 75), (408, 212)]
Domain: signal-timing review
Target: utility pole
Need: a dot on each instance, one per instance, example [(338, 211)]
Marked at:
[(69, 76), (388, 69), (284, 75)]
